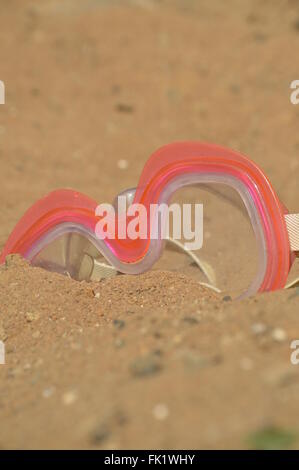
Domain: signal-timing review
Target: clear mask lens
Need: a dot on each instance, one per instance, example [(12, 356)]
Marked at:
[(229, 253), (71, 254)]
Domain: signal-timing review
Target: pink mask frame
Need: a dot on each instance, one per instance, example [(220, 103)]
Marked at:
[(168, 169)]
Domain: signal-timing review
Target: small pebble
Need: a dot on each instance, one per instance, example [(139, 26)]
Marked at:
[(32, 316), (100, 434), (48, 392), (177, 339), (124, 108), (69, 398), (145, 366), (119, 324), (258, 328), (160, 411), (122, 164), (190, 320), (279, 335)]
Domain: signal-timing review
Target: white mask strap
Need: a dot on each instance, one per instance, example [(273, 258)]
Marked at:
[(292, 221)]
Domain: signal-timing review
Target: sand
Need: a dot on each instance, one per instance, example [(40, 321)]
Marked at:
[(157, 360)]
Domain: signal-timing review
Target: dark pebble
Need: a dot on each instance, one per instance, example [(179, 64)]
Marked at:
[(124, 108), (190, 320), (100, 434), (145, 366), (119, 324)]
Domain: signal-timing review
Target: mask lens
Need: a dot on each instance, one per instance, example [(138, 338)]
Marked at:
[(71, 254), (229, 250)]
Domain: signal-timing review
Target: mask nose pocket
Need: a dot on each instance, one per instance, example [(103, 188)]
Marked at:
[(75, 256)]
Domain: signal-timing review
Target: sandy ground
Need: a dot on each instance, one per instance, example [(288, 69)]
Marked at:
[(154, 361)]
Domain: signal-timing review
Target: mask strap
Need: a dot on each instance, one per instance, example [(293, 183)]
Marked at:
[(292, 221), (98, 270)]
